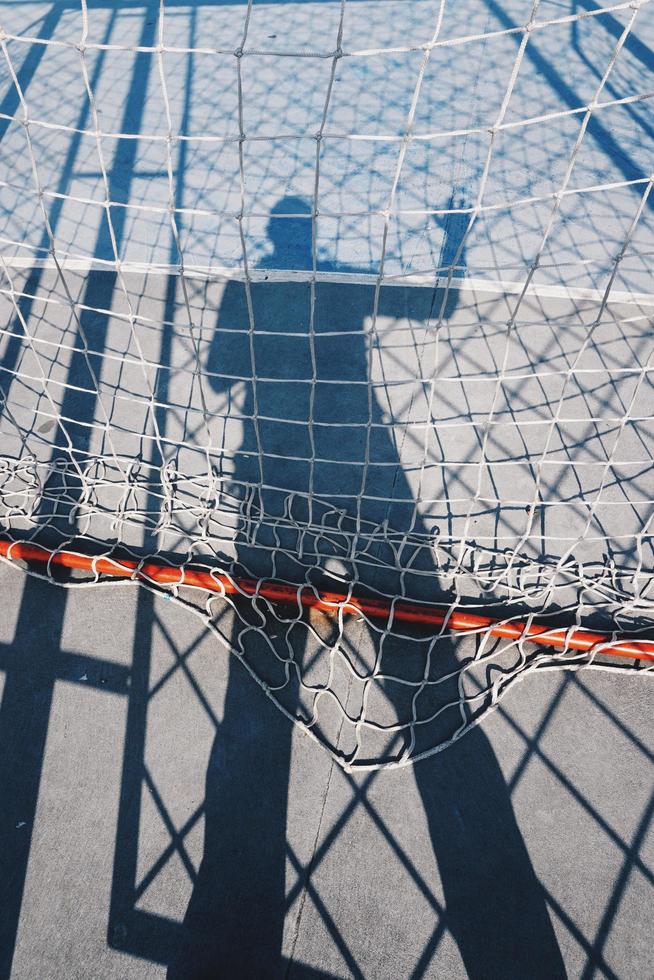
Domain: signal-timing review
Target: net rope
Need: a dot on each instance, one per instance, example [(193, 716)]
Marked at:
[(316, 308)]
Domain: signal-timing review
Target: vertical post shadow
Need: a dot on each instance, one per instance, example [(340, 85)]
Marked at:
[(28, 690), (31, 670)]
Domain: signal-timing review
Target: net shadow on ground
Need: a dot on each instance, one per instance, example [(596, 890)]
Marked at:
[(225, 366), (247, 841), (144, 937), (254, 880)]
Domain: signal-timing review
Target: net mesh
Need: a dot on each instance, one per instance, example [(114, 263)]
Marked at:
[(314, 306)]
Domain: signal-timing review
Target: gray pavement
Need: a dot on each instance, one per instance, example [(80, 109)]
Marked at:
[(160, 817), (160, 814)]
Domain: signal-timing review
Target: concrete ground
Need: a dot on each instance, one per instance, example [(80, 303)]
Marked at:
[(159, 815)]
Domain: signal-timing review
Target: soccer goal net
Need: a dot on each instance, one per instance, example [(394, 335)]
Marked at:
[(333, 321)]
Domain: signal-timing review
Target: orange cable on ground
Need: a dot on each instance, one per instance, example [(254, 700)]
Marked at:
[(574, 638)]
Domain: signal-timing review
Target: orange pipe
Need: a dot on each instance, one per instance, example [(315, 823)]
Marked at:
[(574, 638)]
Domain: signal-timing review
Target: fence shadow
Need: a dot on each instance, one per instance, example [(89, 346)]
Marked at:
[(316, 405)]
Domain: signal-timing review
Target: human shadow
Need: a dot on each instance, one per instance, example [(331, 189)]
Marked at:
[(287, 375)]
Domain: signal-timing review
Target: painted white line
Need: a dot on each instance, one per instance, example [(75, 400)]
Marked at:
[(416, 279)]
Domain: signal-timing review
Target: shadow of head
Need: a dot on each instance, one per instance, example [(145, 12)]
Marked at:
[(290, 234), (284, 328)]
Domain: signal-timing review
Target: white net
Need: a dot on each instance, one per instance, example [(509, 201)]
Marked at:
[(285, 299)]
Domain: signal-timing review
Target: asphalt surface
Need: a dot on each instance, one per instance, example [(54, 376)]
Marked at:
[(159, 815)]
